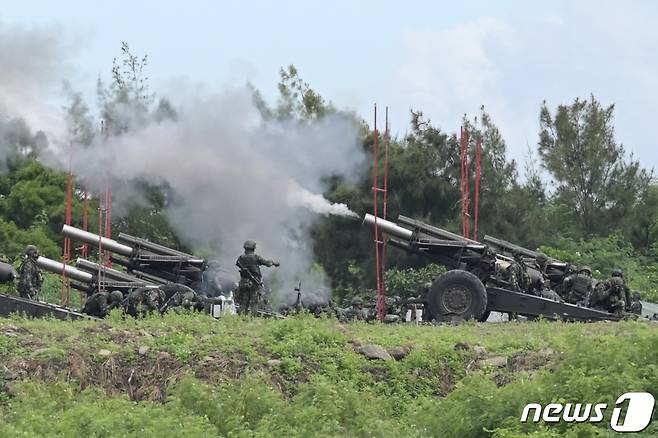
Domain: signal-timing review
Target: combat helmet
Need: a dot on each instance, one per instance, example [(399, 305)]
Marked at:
[(31, 250), (249, 245), (116, 296), (585, 269), (617, 273)]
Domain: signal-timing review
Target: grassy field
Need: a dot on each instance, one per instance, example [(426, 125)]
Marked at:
[(189, 375)]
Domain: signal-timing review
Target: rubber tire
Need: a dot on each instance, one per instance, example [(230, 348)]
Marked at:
[(471, 283)]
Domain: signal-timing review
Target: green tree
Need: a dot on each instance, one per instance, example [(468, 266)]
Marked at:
[(644, 229), (593, 176)]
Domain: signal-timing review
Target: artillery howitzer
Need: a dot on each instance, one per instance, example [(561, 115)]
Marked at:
[(556, 270), (472, 287), (12, 304), (91, 277), (146, 260)]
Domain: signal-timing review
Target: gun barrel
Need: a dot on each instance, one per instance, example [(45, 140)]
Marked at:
[(6, 272), (93, 239), (433, 231), (59, 268), (153, 247), (510, 247), (108, 273), (388, 227)]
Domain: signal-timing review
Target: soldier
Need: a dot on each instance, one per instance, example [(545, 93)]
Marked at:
[(179, 295), (101, 304), (251, 279), (636, 305), (611, 295), (391, 309), (356, 310), (560, 288), (577, 288), (541, 284), (520, 279), (31, 279), (627, 292), (145, 300)]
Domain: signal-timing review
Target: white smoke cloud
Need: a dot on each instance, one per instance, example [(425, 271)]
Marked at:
[(237, 176), (33, 62)]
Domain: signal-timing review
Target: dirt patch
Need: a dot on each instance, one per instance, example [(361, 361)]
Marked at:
[(531, 360), (378, 374), (142, 378)]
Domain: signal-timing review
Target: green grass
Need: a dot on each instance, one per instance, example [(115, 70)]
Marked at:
[(201, 376)]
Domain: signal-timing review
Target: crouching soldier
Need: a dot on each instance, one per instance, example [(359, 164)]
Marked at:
[(636, 305), (145, 300), (612, 295), (578, 287), (101, 304)]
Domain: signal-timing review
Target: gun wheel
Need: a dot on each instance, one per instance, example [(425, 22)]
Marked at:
[(459, 294)]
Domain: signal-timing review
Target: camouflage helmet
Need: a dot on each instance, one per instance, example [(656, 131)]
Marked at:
[(116, 296), (357, 301), (585, 269), (541, 258), (31, 249), (249, 245), (618, 273)]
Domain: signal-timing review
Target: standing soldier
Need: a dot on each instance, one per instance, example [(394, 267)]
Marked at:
[(251, 279), (31, 279)]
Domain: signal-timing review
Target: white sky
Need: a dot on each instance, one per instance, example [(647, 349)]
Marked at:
[(443, 58)]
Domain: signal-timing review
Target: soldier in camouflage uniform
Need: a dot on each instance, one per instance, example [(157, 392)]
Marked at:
[(355, 311), (560, 288), (577, 288), (541, 286), (145, 300), (612, 295), (636, 305), (392, 309), (180, 296), (101, 304), (519, 274), (30, 279), (251, 279)]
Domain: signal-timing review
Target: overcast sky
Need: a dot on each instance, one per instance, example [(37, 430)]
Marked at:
[(444, 58)]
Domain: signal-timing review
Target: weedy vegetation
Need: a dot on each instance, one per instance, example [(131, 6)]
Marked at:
[(189, 375)]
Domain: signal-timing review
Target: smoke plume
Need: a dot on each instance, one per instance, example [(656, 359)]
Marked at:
[(234, 174), (238, 176)]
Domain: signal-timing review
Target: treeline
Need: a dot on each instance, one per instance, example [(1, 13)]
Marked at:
[(580, 196)]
